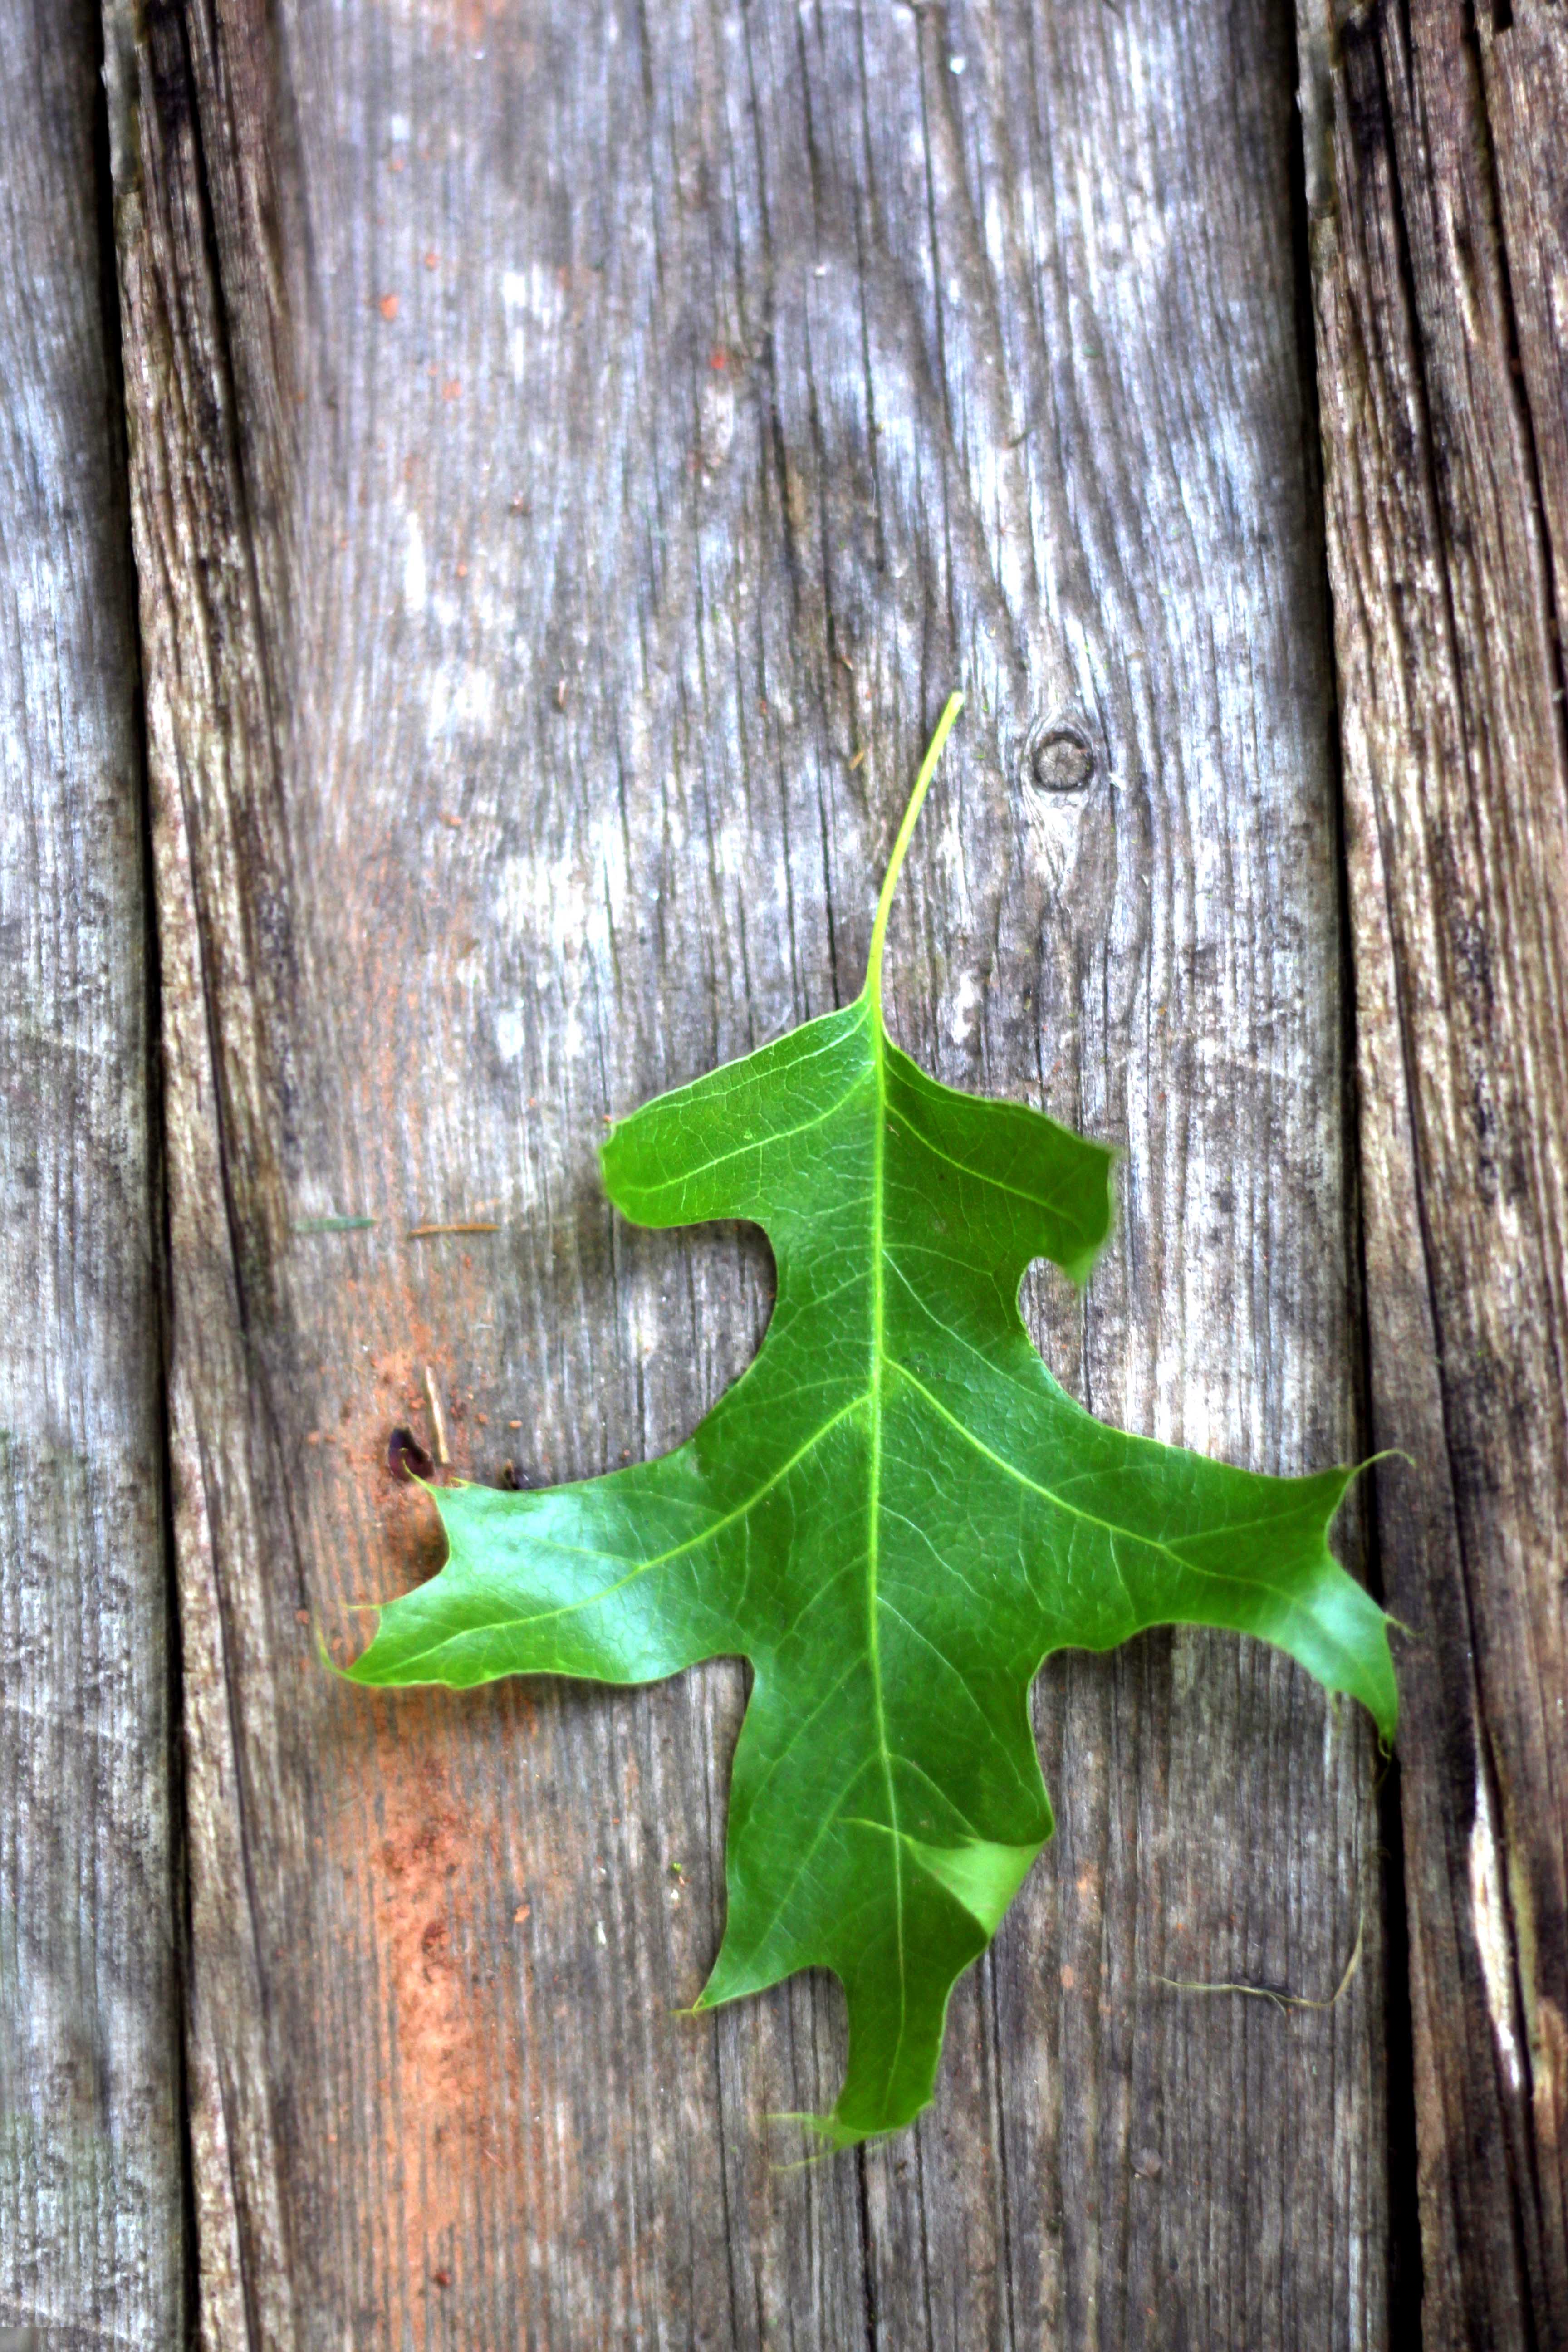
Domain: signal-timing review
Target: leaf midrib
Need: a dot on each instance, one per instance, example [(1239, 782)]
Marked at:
[(874, 1479)]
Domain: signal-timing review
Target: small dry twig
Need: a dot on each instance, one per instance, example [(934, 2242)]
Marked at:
[(1285, 2000)]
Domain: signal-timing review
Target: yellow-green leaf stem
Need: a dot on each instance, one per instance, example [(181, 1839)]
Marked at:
[(896, 1515), (905, 835)]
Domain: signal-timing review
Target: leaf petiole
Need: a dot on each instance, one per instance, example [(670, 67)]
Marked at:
[(873, 988)]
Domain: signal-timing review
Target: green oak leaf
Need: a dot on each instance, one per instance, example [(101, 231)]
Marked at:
[(896, 1515)]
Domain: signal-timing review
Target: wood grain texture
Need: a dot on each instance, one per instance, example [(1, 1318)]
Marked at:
[(91, 2144), (574, 449), (1439, 229)]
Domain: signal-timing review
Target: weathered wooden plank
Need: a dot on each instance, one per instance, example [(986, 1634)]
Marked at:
[(1440, 215), (566, 439), (90, 2171)]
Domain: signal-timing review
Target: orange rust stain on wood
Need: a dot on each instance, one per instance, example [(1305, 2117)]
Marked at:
[(474, 18), (456, 22), (450, 2094)]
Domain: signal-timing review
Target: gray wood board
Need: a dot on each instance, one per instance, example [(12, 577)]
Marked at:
[(574, 452), (1439, 202), (90, 2165)]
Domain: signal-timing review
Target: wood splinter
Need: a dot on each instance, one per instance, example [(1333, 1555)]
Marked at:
[(438, 1420)]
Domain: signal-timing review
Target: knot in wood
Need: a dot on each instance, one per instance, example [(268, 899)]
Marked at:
[(1059, 756)]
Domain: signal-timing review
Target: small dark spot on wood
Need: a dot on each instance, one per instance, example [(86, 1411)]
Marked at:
[(406, 1458)]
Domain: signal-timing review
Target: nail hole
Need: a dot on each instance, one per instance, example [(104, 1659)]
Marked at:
[(406, 1458)]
